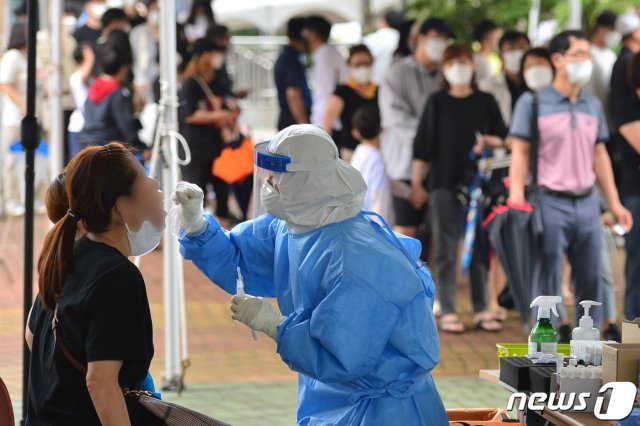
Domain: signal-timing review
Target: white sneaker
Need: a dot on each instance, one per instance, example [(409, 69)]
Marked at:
[(14, 209)]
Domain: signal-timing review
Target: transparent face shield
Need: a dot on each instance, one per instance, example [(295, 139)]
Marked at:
[(266, 198)]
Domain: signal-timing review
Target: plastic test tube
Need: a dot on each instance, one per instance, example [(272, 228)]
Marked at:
[(240, 292)]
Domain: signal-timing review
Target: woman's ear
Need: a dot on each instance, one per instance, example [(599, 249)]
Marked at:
[(120, 211)]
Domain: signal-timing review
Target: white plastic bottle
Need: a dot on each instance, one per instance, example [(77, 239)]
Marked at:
[(586, 330)]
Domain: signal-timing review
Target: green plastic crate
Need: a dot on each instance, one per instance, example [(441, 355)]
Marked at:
[(522, 349)]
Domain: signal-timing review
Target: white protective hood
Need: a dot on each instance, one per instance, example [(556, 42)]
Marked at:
[(317, 198)]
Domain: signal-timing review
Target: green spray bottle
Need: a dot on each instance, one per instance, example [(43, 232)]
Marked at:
[(543, 337)]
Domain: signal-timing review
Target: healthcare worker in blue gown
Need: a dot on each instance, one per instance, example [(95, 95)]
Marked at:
[(355, 308)]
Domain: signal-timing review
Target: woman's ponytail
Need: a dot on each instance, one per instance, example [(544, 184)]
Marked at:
[(55, 259)]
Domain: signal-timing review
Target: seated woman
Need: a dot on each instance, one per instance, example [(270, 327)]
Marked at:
[(96, 294)]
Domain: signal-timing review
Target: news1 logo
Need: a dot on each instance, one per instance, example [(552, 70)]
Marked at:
[(623, 395)]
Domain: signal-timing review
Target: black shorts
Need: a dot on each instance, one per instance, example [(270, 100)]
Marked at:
[(406, 215)]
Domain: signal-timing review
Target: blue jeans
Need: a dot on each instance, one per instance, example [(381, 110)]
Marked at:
[(632, 266), (74, 144)]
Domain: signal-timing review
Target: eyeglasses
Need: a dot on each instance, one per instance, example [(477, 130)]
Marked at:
[(578, 55)]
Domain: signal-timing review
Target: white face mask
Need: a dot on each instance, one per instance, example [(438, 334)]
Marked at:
[(362, 75), (580, 72), (144, 240), (97, 10), (217, 61), (612, 39), (153, 17), (434, 48), (69, 23), (512, 60), (201, 21), (538, 77), (272, 202), (458, 74)]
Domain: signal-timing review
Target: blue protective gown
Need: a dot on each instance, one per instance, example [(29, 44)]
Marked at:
[(359, 329)]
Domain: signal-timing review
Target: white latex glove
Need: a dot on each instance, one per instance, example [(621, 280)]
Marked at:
[(188, 201), (257, 313)]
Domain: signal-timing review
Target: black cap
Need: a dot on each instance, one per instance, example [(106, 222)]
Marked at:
[(394, 18), (436, 24), (204, 45)]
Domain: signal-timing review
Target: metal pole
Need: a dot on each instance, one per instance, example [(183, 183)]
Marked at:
[(173, 274), (534, 18), (30, 136), (575, 15), (6, 23), (56, 135)]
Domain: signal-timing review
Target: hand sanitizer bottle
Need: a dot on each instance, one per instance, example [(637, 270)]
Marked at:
[(586, 330)]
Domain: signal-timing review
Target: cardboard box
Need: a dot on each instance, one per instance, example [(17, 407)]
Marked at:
[(631, 331), (620, 362), (577, 386)]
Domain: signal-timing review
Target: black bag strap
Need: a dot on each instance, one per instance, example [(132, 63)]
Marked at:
[(535, 140)]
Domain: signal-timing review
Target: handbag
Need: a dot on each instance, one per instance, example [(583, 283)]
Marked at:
[(235, 162), (6, 409), (164, 413)]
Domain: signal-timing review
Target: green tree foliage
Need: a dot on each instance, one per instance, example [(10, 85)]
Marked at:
[(462, 15)]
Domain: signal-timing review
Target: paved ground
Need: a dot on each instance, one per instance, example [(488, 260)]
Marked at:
[(231, 376)]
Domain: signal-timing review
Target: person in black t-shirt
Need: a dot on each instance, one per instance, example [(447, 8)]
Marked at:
[(627, 121), (445, 137), (91, 31), (358, 91), (202, 116), (96, 293)]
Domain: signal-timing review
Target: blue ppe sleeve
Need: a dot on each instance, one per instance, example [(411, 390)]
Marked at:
[(343, 337), (218, 253)]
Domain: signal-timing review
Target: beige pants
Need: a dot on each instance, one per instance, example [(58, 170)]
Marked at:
[(11, 184)]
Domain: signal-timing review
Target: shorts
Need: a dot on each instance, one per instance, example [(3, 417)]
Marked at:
[(406, 215)]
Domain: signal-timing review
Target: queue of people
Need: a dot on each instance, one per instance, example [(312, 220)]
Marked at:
[(355, 152), (434, 98)]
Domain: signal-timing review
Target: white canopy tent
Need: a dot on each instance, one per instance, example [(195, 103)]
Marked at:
[(269, 17)]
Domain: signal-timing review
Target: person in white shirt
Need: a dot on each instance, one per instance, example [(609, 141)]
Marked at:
[(402, 96), (603, 40), (144, 40), (13, 86), (507, 86), (329, 67), (79, 86), (487, 33), (368, 161), (199, 20), (383, 44)]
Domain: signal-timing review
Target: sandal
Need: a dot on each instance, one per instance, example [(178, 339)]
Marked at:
[(488, 324), (452, 325), (499, 314)]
